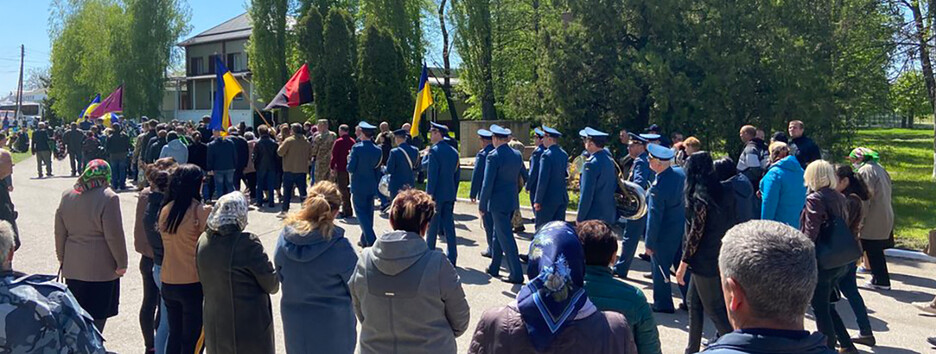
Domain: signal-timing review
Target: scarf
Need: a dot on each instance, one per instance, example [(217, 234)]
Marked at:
[(863, 155), (229, 214), (555, 294), (96, 174)]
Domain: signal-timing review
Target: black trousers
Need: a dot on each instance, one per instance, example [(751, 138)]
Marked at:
[(828, 320), (251, 180), (184, 305), (238, 177), (74, 158), (705, 296), (874, 249), (149, 317)]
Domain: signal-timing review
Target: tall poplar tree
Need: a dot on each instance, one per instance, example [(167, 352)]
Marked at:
[(155, 27), (266, 48), (339, 95), (309, 33), (384, 93)]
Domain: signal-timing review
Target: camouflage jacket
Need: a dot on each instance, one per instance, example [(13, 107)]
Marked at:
[(322, 146), (40, 315)]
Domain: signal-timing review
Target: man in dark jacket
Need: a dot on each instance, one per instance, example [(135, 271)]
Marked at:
[(222, 161), (804, 148), (753, 160), (265, 161), (40, 147), (242, 150), (204, 130), (155, 145), (73, 138), (198, 156), (118, 146), (767, 293)]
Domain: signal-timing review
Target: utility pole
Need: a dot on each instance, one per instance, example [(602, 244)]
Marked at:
[(19, 88)]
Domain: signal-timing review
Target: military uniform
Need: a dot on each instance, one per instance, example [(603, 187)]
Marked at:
[(551, 191), (516, 221), (401, 165), (499, 197), (598, 183), (666, 225), (635, 230), (321, 150), (442, 170), (532, 182), (364, 167), (477, 178), (40, 315)]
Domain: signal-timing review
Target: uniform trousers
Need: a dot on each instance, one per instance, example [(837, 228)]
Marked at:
[(487, 221), (549, 213), (444, 219), (364, 209), (506, 245), (634, 231), (660, 265)]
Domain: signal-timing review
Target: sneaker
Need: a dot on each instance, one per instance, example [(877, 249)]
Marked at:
[(867, 340), (872, 286), (281, 215), (863, 270), (932, 341), (926, 307)]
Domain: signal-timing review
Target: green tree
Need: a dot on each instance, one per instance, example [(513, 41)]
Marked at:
[(472, 20), (402, 18), (382, 85), (267, 48), (908, 97), (155, 27), (309, 33), (339, 95)]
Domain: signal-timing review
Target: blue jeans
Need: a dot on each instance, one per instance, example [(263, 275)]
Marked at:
[(266, 182), (162, 330), (364, 209), (506, 245), (119, 171), (290, 180), (444, 218), (848, 285), (634, 231), (224, 182)]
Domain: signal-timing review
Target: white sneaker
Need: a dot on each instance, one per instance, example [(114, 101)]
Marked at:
[(281, 215), (863, 270), (870, 286), (926, 307)]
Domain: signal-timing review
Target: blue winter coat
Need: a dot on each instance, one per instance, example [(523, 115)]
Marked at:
[(316, 303), (783, 192)]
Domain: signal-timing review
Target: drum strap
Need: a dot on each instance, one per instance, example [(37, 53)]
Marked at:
[(408, 159)]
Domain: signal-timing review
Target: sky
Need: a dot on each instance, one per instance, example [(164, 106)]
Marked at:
[(26, 23)]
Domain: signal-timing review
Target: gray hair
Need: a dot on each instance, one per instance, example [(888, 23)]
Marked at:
[(776, 266), (7, 240)]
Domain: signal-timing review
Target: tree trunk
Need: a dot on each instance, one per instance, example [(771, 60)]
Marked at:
[(927, 65), (447, 71)]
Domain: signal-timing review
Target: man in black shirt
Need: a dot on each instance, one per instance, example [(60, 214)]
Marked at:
[(804, 148), (42, 149)]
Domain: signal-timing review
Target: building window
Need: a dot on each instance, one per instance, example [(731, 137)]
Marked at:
[(211, 63), (235, 62), (195, 65)]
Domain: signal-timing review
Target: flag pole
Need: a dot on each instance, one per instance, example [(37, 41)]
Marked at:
[(252, 105)]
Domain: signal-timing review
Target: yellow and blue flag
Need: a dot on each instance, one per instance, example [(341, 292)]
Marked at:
[(227, 89), (423, 100), (91, 107)]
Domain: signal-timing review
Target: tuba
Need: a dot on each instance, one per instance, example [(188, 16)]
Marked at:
[(630, 199)]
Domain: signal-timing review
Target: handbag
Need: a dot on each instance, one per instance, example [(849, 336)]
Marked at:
[(836, 246)]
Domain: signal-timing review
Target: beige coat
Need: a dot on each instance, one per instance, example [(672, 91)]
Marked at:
[(296, 154), (140, 242), (89, 237), (879, 213), (179, 258)]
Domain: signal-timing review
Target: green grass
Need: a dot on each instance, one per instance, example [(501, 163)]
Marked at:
[(908, 156), (464, 189), (20, 156)]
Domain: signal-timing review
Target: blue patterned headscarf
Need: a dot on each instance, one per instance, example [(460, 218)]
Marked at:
[(555, 293)]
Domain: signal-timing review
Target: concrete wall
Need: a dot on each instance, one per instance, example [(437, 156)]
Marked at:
[(470, 144)]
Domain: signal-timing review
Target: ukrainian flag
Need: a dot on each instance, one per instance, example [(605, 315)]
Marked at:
[(87, 112), (227, 89), (423, 100)]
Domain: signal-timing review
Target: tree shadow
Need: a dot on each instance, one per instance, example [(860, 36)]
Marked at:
[(465, 217), (890, 350), (914, 280), (473, 276), (904, 296)]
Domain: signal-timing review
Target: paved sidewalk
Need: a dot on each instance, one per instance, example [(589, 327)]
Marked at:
[(899, 327)]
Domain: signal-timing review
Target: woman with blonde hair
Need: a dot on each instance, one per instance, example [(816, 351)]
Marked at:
[(314, 262)]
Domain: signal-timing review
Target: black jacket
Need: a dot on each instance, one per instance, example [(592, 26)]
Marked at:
[(240, 146), (805, 150), (72, 140), (118, 144), (703, 239), (755, 147), (768, 341), (150, 219), (264, 154), (40, 140), (198, 154)]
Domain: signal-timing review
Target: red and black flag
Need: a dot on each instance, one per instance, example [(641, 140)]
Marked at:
[(298, 90)]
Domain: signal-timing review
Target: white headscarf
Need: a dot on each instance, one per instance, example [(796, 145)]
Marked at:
[(231, 209)]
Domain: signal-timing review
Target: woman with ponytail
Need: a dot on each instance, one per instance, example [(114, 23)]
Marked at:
[(314, 262)]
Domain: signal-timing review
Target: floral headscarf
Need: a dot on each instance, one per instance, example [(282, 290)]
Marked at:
[(229, 213), (556, 294), (96, 174), (864, 155)]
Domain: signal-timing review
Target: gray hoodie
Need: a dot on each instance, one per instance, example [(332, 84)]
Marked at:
[(175, 149), (408, 299)]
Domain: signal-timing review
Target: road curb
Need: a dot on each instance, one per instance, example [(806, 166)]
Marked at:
[(911, 255), (524, 208)]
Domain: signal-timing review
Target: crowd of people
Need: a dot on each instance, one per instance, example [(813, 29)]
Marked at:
[(207, 281)]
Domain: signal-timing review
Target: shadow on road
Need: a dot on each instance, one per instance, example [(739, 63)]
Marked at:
[(473, 276)]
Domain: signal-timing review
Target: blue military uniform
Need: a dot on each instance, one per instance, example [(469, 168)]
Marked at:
[(401, 165), (364, 167), (666, 225), (500, 198), (442, 171), (598, 183), (552, 186), (635, 230), (477, 178), (533, 181)]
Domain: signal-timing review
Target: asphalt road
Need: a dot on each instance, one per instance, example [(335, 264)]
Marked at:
[(899, 327)]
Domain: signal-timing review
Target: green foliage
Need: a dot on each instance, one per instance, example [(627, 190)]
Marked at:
[(267, 47), (382, 84), (154, 29), (311, 50), (472, 20), (339, 96), (908, 95), (402, 18)]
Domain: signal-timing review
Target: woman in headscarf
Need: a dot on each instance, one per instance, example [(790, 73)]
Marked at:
[(315, 261), (237, 279), (879, 215), (552, 313), (90, 244)]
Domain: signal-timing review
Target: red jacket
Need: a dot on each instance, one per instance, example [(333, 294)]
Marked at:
[(340, 152)]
